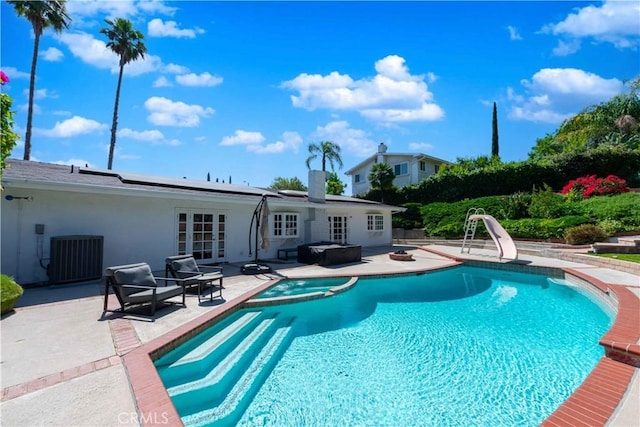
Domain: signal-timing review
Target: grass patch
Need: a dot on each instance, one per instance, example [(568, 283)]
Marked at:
[(621, 257)]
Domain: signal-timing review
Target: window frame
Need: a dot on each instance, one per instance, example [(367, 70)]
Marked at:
[(400, 166), (285, 225), (375, 222)]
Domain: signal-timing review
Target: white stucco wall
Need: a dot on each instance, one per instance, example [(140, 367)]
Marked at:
[(135, 229), (139, 228)]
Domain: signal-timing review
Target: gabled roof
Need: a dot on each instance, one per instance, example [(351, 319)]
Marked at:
[(30, 174), (418, 156)]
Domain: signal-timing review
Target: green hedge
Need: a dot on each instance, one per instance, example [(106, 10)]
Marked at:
[(611, 213), (510, 178)]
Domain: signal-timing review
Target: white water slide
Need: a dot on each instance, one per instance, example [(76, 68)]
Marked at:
[(506, 247)]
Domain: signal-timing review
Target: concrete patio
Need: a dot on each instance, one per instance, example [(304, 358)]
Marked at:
[(60, 351)]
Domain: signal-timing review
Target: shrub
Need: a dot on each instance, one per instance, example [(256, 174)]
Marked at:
[(409, 219), (540, 228), (622, 208), (591, 185), (10, 292), (546, 204), (585, 234), (612, 226), (516, 206)]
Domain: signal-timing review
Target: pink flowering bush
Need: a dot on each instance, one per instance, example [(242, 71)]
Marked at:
[(591, 185), (3, 78)]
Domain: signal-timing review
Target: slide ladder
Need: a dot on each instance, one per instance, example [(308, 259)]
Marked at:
[(470, 226)]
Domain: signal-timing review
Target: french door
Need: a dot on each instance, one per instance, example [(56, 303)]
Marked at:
[(338, 228), (201, 233)]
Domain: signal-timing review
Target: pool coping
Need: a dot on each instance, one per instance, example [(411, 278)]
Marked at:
[(593, 403)]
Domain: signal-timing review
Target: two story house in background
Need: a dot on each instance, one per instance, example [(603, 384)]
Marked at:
[(409, 168)]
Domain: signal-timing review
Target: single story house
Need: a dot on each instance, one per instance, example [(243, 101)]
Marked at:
[(60, 220), (409, 168)]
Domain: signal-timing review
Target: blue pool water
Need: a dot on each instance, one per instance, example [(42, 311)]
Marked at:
[(291, 287), (462, 346)]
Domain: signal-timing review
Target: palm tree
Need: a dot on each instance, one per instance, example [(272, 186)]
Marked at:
[(127, 43), (328, 150), (381, 178), (41, 15)]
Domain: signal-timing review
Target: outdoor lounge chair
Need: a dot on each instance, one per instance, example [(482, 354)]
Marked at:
[(135, 285), (189, 274)]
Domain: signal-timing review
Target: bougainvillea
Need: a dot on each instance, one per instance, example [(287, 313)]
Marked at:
[(591, 185)]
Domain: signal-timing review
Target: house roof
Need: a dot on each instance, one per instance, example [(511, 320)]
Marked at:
[(373, 157), (37, 175)]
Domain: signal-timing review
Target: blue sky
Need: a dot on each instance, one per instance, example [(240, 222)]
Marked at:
[(239, 89)]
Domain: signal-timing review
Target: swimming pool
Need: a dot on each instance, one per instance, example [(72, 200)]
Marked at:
[(458, 346)]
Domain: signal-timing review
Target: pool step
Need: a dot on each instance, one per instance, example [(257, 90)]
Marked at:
[(237, 399), (196, 362), (210, 389)]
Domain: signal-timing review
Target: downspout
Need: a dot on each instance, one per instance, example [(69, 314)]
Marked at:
[(19, 239)]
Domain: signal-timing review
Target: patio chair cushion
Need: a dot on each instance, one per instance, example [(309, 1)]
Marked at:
[(162, 293), (140, 275), (185, 267)]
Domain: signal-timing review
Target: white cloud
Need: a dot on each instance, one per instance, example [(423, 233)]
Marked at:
[(40, 94), (148, 64), (554, 94), (158, 28), (243, 137), (175, 69), (25, 107), (13, 73), (95, 52), (615, 22), (420, 146), (572, 81), (81, 10), (566, 48), (74, 126), (204, 79), (393, 94), (156, 7), (353, 141), (147, 135), (52, 54), (165, 112), (290, 141), (162, 81), (513, 33)]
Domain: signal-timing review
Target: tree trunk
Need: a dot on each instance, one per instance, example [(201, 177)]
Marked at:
[(32, 85), (114, 125), (495, 148)]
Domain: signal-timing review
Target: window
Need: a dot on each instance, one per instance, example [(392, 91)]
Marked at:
[(356, 178), (401, 169), (201, 233), (436, 168), (423, 166), (285, 225), (375, 222), (338, 228)]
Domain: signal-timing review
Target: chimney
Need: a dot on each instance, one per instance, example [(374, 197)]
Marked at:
[(316, 190), (382, 149)]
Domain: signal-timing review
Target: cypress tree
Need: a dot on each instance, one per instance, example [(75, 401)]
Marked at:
[(495, 148)]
